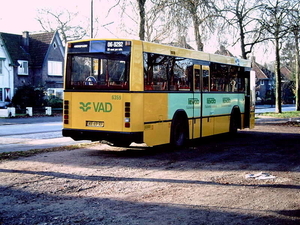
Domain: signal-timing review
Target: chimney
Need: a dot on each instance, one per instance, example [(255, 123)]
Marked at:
[(25, 40)]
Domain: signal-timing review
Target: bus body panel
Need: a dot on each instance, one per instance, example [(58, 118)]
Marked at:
[(156, 125), (104, 107), (207, 126), (195, 132), (221, 124), (136, 114), (181, 101), (155, 107), (88, 108), (170, 50), (157, 133), (221, 103), (136, 82)]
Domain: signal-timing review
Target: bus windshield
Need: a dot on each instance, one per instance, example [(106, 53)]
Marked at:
[(97, 71)]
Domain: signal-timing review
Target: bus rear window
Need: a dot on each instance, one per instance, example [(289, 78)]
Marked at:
[(97, 72)]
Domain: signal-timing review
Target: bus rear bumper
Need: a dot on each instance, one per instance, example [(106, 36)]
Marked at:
[(113, 137)]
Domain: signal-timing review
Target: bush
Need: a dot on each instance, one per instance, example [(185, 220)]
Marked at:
[(28, 96), (55, 102)]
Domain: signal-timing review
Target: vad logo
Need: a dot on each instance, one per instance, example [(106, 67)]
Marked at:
[(102, 106), (97, 106), (85, 106)]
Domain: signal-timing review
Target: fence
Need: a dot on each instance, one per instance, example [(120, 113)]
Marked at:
[(29, 111)]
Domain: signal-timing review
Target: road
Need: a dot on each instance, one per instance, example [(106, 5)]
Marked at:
[(271, 108), (21, 134)]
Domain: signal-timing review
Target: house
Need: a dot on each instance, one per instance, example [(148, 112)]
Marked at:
[(288, 84), (30, 59), (265, 84)]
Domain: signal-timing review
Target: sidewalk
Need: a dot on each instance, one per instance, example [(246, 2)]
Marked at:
[(267, 119), (22, 143), (40, 144), (29, 120)]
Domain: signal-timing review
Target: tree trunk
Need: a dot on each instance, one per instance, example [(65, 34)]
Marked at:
[(197, 33), (242, 35), (297, 69), (141, 4), (278, 77)]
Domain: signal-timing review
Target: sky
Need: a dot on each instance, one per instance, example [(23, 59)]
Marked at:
[(19, 15)]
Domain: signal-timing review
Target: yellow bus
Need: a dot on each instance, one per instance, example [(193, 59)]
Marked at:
[(132, 91)]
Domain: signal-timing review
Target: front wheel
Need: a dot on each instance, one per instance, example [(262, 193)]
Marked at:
[(179, 134)]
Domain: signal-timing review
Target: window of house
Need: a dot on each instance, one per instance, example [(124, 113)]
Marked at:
[(55, 68), (262, 82), (54, 45), (23, 67)]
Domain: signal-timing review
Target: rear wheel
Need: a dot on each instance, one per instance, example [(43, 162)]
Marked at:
[(235, 120), (233, 125)]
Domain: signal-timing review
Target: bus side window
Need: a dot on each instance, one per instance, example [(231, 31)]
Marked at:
[(184, 75), (155, 72), (163, 73), (205, 80), (148, 72), (197, 79), (225, 78)]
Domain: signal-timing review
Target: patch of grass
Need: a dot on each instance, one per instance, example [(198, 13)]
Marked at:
[(32, 152), (289, 114)]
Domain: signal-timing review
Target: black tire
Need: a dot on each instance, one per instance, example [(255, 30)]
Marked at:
[(179, 133), (233, 125), (235, 121)]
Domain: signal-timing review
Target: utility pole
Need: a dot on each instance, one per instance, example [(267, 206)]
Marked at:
[(92, 19)]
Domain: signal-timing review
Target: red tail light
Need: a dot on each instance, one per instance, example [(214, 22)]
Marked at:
[(127, 115), (66, 112)]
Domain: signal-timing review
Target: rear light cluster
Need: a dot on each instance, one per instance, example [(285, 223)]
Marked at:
[(127, 114), (66, 112)]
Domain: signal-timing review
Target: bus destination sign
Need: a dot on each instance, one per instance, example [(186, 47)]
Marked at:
[(117, 46)]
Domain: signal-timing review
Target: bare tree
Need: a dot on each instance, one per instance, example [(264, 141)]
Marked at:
[(141, 5), (243, 15), (63, 21), (203, 15), (274, 22), (148, 19)]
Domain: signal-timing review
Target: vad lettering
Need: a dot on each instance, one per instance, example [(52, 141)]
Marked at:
[(102, 106)]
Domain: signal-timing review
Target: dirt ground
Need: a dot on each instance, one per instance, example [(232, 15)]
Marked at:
[(205, 183)]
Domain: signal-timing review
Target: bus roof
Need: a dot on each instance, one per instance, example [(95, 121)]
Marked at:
[(181, 52)]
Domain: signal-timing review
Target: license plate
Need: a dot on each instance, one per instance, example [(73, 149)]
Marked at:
[(95, 123)]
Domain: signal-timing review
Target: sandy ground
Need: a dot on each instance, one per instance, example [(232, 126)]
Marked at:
[(209, 182)]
